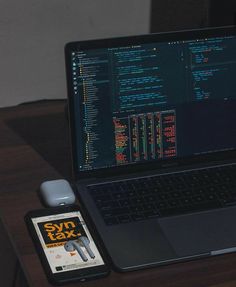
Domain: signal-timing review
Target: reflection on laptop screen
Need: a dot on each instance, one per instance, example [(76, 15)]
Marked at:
[(154, 101)]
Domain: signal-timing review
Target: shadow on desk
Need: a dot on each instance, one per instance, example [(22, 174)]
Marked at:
[(49, 136)]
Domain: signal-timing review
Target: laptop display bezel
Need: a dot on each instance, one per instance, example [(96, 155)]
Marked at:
[(127, 41)]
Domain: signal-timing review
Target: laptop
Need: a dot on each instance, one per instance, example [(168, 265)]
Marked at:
[(153, 133)]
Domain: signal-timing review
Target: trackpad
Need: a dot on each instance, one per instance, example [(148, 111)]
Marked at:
[(203, 232)]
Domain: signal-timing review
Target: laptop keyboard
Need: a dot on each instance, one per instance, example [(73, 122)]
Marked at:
[(165, 195)]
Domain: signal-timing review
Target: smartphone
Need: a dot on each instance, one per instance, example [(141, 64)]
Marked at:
[(67, 248)]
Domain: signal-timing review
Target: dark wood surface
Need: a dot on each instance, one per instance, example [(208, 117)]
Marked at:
[(34, 147)]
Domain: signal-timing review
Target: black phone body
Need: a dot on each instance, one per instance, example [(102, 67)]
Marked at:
[(51, 230)]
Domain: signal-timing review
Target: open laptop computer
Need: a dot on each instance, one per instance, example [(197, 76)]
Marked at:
[(153, 126)]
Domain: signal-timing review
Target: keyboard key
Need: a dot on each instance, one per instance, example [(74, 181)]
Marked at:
[(151, 214), (137, 216), (125, 202), (111, 221), (124, 218)]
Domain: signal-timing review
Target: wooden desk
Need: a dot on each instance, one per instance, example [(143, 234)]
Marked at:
[(33, 148)]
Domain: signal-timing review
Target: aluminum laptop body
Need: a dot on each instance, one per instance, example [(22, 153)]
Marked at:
[(154, 105)]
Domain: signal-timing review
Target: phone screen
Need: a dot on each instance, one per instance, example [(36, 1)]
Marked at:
[(56, 231)]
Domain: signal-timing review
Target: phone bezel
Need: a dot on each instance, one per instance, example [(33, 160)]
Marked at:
[(67, 276)]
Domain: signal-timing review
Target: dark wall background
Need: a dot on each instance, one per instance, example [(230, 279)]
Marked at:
[(222, 12), (170, 15)]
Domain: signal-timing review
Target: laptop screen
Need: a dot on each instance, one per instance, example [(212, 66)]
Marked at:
[(152, 98)]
